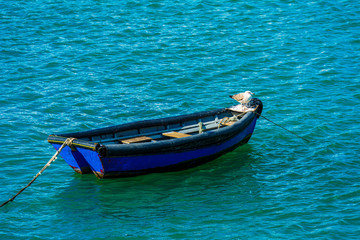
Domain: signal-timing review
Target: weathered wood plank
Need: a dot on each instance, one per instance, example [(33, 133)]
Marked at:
[(136, 140), (176, 134)]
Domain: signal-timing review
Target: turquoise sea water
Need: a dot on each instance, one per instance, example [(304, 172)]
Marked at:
[(78, 65)]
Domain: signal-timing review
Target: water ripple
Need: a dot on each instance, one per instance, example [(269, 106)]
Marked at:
[(72, 66)]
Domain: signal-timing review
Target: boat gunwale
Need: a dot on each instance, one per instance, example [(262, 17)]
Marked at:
[(76, 142), (141, 124), (59, 138), (214, 136)]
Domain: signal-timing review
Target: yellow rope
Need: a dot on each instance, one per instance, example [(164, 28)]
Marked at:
[(226, 120), (223, 121), (67, 142), (201, 129)]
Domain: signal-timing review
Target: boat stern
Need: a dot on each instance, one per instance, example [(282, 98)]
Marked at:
[(77, 155)]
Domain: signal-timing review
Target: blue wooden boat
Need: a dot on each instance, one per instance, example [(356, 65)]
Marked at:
[(166, 144)]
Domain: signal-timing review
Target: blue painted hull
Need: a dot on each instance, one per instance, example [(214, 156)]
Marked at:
[(77, 160), (124, 160), (172, 161)]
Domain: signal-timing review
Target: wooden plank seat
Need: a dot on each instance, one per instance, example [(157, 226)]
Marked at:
[(136, 140), (176, 134)]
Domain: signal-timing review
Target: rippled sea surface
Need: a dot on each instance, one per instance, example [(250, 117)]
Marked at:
[(79, 65)]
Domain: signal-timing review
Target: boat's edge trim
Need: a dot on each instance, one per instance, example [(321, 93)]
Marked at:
[(76, 143), (118, 150), (174, 145), (141, 124)]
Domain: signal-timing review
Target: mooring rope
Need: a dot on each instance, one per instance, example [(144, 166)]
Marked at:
[(282, 127), (226, 120), (67, 142)]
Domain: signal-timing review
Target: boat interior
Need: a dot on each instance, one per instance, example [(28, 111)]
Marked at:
[(170, 130)]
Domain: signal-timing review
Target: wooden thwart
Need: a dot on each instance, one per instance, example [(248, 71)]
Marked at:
[(176, 135), (136, 140)]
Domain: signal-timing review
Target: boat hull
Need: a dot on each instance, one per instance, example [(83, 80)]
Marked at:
[(110, 158), (77, 159), (84, 160), (167, 162)]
